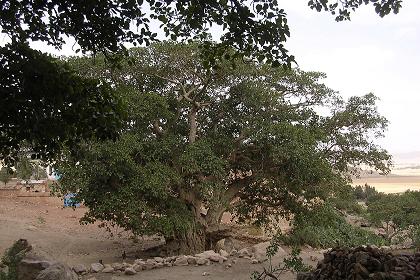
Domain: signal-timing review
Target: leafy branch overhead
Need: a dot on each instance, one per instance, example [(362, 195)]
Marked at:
[(47, 105), (256, 29)]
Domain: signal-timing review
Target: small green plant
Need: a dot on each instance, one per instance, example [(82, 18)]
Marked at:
[(11, 259), (292, 263), (295, 261), (5, 175), (416, 237), (41, 220)]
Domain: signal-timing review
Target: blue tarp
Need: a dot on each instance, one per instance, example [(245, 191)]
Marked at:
[(69, 200)]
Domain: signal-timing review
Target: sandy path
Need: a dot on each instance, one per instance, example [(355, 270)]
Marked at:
[(56, 231)]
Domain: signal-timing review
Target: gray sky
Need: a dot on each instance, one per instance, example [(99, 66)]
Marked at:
[(368, 54)]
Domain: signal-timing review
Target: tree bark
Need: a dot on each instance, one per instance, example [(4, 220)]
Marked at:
[(197, 239), (186, 243), (193, 125)]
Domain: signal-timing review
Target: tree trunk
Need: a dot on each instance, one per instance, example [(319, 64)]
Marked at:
[(186, 243), (198, 239)]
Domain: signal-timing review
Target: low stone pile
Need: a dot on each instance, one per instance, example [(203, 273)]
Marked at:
[(204, 258), (256, 254), (365, 263)]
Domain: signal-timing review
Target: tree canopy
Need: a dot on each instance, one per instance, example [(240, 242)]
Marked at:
[(253, 28), (250, 140), (47, 105)]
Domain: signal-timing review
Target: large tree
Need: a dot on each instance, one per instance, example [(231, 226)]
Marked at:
[(257, 141)]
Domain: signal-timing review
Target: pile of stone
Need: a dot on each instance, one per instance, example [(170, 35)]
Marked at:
[(256, 254), (365, 263), (204, 258)]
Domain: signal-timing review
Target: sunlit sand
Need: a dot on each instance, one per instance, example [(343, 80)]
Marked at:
[(391, 184)]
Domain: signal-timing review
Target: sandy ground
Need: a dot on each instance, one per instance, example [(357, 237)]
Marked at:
[(56, 231), (391, 184)]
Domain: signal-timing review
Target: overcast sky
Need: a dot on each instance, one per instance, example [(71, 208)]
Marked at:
[(368, 54)]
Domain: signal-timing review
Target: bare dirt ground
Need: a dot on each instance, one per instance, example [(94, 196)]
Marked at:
[(56, 231)]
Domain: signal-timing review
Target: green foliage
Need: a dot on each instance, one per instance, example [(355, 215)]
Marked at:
[(24, 168), (11, 259), (5, 175), (247, 139), (47, 105), (324, 227), (397, 214), (39, 171), (293, 263), (345, 199), (415, 236), (366, 192), (258, 30), (382, 8)]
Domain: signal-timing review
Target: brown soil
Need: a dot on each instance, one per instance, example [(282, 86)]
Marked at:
[(56, 231)]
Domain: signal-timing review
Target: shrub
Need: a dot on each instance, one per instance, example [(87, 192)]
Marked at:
[(324, 227), (366, 192), (294, 263), (397, 214), (11, 259)]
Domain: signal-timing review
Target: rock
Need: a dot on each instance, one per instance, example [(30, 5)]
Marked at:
[(362, 257), (28, 269), (96, 267), (243, 252), (34, 261), (211, 255), (226, 244), (137, 267), (234, 252), (365, 262), (206, 254), (117, 266), (201, 261), (303, 276), (223, 253), (92, 278), (259, 251), (159, 259), (360, 270), (205, 274), (130, 271), (181, 261), (57, 271), (32, 228), (313, 258), (192, 260), (148, 264), (108, 269), (79, 268), (254, 261), (152, 261)]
